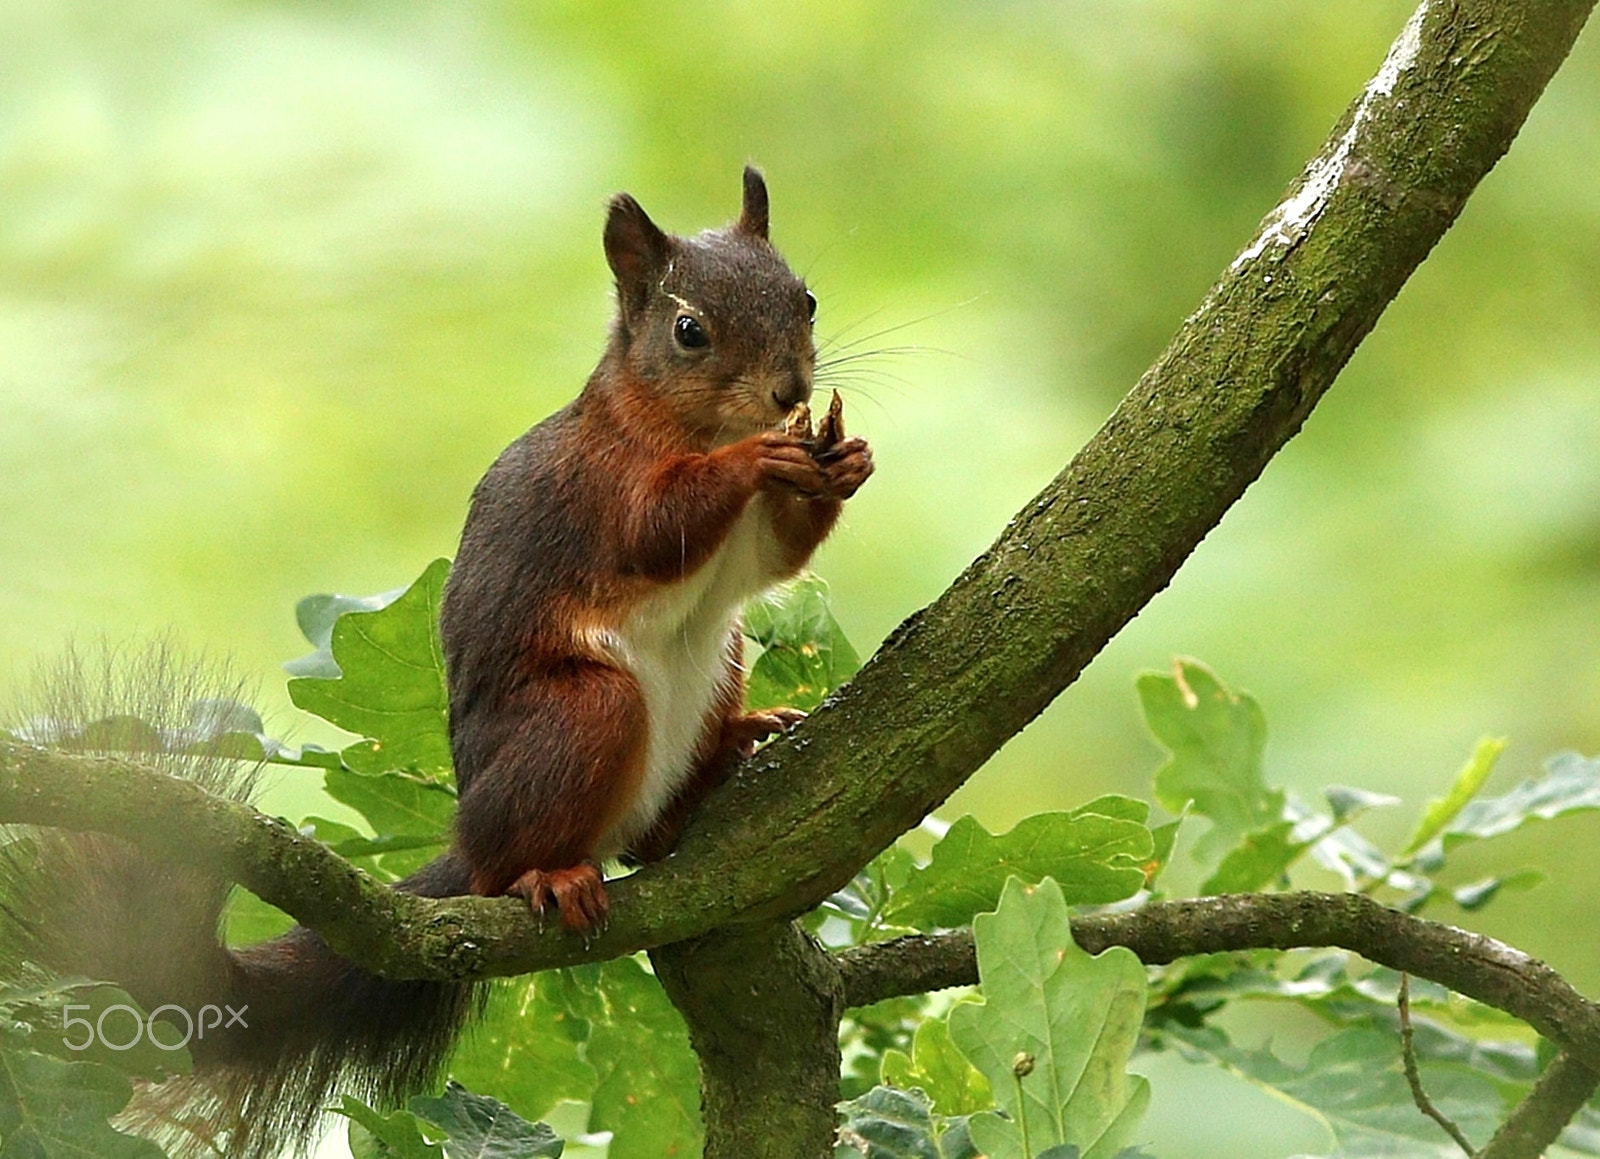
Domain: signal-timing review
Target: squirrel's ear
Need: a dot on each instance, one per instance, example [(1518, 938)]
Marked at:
[(636, 249), (753, 220)]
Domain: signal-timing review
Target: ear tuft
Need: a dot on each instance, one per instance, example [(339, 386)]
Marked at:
[(753, 220), (636, 249)]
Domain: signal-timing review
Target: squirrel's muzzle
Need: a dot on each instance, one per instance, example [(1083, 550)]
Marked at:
[(790, 391)]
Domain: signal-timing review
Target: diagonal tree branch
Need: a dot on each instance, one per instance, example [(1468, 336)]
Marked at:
[(961, 677), (964, 675), (1561, 1092)]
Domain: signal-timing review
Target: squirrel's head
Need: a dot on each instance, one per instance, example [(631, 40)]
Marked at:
[(717, 323)]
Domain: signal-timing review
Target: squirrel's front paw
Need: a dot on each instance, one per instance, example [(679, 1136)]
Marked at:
[(785, 460), (845, 463), (846, 466)]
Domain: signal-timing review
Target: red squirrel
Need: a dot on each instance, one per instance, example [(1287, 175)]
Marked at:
[(590, 622), (593, 653)]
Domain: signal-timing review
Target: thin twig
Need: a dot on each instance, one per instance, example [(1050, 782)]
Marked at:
[(1408, 1054)]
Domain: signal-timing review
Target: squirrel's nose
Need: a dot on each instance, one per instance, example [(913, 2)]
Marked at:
[(791, 392)]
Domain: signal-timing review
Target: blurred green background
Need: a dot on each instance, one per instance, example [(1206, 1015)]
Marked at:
[(278, 280)]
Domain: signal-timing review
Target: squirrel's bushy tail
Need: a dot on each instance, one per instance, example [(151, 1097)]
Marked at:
[(80, 905)]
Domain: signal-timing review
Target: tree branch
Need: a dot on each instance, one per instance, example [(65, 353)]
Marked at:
[(175, 820), (1539, 1119), (1471, 964), (962, 676), (762, 1004), (918, 964)]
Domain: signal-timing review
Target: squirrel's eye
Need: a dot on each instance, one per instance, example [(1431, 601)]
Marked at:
[(811, 305), (689, 333)]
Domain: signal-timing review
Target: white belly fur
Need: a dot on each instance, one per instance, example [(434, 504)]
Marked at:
[(675, 645)]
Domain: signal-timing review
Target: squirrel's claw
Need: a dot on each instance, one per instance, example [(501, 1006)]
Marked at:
[(578, 893), (743, 733)]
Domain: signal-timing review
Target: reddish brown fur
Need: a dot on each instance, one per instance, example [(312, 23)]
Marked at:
[(585, 725), (578, 718), (629, 490)]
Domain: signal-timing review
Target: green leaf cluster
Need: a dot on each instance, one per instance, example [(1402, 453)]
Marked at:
[(51, 1108), (949, 1087), (1258, 833), (390, 688), (937, 1067), (1352, 1083), (1098, 853), (1054, 1032), (1216, 738), (890, 1123), (1037, 1068), (804, 653), (1475, 1062), (456, 1125), (605, 1035), (378, 672), (57, 1102)]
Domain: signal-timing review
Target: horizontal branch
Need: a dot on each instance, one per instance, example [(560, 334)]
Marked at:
[(916, 964), (1472, 964), (394, 934), (175, 820)]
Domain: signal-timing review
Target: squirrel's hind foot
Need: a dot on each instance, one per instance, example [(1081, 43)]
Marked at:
[(578, 893), (741, 734)]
